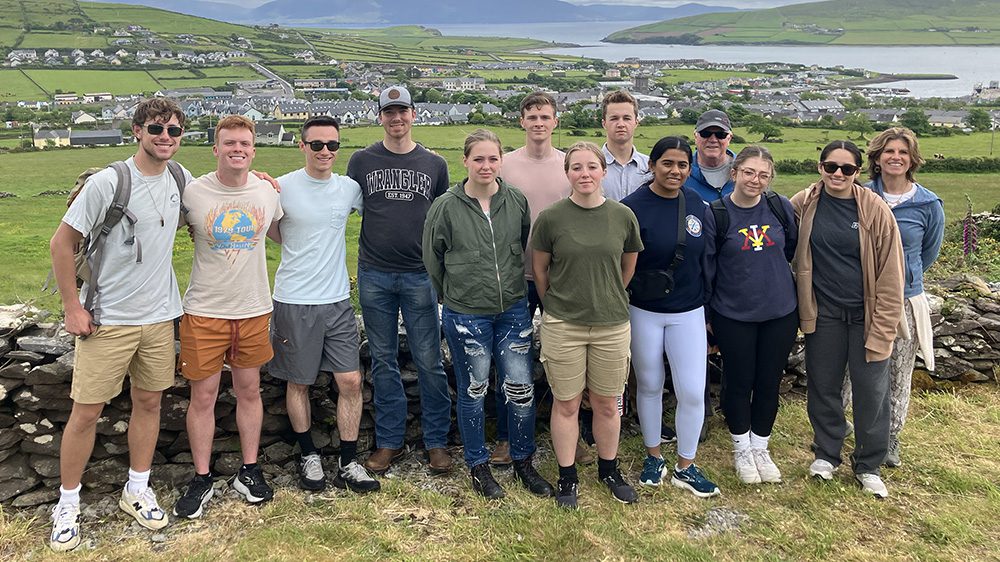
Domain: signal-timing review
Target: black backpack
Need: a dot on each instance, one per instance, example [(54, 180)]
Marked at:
[(721, 215)]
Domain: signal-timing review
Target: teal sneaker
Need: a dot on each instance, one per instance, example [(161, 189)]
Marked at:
[(693, 480), (653, 471)]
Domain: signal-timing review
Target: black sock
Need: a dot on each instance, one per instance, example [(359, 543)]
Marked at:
[(568, 473), (606, 467), (348, 450), (250, 466), (305, 441)]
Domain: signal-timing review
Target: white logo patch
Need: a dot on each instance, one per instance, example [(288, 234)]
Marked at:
[(693, 226)]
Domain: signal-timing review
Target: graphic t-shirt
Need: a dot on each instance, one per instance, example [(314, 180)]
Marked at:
[(836, 252), (397, 190), (543, 182), (749, 276), (313, 267), (585, 274), (229, 274), (131, 293)]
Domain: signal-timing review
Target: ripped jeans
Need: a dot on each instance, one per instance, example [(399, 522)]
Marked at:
[(475, 340)]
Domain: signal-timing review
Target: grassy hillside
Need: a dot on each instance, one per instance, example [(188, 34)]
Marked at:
[(835, 22)]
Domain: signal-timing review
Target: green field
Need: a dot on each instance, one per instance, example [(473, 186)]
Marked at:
[(864, 22), (213, 76), (14, 85), (82, 81), (62, 41)]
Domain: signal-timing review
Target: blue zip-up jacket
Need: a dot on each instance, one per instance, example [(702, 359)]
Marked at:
[(921, 226), (697, 182)]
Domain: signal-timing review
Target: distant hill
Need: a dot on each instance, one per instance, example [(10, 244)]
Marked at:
[(834, 22)]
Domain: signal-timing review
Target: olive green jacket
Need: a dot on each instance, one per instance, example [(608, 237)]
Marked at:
[(476, 261)]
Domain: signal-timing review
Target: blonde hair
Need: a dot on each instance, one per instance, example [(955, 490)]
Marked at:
[(878, 144), (589, 146), (234, 122)]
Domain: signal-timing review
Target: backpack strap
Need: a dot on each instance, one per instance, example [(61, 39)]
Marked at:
[(721, 215), (178, 174), (774, 203), (95, 249)]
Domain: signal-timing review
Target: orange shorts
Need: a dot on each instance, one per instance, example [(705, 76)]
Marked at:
[(207, 343)]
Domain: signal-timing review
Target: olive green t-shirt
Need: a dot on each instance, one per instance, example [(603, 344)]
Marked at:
[(585, 274)]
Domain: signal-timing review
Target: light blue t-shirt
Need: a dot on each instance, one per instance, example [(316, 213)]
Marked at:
[(313, 267)]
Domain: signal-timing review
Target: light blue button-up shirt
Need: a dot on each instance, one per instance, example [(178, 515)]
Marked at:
[(620, 180)]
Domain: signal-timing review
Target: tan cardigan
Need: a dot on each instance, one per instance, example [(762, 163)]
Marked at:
[(881, 266)]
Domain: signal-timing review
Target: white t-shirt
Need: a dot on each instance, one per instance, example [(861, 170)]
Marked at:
[(130, 293), (229, 273), (313, 267)]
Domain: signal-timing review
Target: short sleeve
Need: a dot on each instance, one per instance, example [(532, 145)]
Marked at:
[(91, 204), (541, 240)]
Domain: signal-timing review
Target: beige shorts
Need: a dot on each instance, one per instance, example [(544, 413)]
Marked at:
[(102, 359), (577, 357)]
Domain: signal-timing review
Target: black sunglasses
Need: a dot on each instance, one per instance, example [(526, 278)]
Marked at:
[(832, 167), (156, 129), (317, 145), (718, 134)]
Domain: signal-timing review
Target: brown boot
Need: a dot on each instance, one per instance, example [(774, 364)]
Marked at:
[(583, 455), (439, 460), (501, 454), (380, 461)]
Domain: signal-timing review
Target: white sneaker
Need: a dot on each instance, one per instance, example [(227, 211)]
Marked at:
[(745, 467), (765, 466), (822, 469), (144, 508), (65, 527), (872, 483)]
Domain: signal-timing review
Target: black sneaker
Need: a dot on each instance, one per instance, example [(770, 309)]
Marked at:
[(667, 434), (620, 489), (199, 491), (484, 484), (525, 472), (566, 493), (251, 485), (356, 478), (311, 476)]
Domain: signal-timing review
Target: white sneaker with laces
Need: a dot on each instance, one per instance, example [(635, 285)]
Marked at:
[(65, 527), (746, 470), (765, 466), (144, 507), (822, 469), (311, 475), (872, 483)]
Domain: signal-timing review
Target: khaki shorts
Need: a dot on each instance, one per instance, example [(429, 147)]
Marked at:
[(102, 359), (207, 343), (577, 357)]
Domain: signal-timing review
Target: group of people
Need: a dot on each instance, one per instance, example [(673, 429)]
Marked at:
[(628, 258)]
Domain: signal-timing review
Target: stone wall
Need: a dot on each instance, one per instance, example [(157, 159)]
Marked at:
[(36, 363)]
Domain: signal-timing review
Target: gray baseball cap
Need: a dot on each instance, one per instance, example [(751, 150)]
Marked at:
[(394, 95), (713, 118)]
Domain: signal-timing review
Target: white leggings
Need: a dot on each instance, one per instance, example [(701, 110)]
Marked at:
[(682, 336)]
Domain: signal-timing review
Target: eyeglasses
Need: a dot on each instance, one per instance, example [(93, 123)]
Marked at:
[(832, 167), (156, 129), (717, 134), (317, 145), (749, 174)]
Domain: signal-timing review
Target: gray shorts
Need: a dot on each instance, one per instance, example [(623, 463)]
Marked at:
[(309, 338)]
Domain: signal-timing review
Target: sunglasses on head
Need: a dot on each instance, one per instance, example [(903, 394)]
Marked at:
[(156, 129), (832, 167), (718, 134), (317, 145)]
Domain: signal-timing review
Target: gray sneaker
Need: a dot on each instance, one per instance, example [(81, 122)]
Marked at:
[(872, 483), (311, 476), (892, 456)]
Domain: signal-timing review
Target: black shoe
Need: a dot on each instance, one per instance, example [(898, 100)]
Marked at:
[(356, 478), (251, 485), (198, 492), (703, 436), (620, 489), (484, 484), (525, 472), (667, 434), (566, 494)]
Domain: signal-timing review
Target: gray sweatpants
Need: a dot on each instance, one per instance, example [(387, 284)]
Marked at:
[(838, 342)]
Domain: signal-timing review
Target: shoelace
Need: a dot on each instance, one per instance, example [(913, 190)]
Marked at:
[(312, 467), (64, 518), (148, 499), (356, 471)]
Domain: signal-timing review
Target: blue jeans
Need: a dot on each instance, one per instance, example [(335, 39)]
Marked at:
[(475, 339), (534, 303), (383, 295)]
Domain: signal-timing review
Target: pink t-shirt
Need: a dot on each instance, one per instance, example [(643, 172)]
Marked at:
[(543, 182)]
